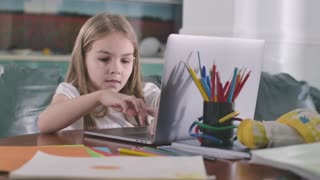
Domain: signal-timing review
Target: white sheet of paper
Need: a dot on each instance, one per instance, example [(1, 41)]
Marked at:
[(43, 165), (302, 159)]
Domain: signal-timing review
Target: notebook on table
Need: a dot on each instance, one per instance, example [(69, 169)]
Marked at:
[(180, 100), (301, 159), (47, 166), (236, 151)]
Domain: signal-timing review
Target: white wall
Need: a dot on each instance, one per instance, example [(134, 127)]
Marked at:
[(207, 17), (290, 28)]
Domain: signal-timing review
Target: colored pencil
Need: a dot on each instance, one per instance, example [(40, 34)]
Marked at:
[(233, 84), (228, 116), (242, 84), (197, 82), (213, 82), (133, 152)]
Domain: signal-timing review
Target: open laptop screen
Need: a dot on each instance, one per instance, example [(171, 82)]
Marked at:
[(181, 102)]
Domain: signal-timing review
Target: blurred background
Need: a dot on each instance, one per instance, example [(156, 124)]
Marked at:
[(289, 27), (51, 25)]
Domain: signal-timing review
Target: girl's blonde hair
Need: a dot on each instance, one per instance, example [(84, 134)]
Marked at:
[(95, 28)]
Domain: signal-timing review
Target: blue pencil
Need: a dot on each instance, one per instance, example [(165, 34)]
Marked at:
[(200, 64), (206, 86), (233, 84)]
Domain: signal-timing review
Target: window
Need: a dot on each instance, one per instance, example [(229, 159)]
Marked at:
[(50, 26)]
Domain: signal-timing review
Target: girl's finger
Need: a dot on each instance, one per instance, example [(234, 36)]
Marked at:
[(151, 111), (143, 112), (123, 105), (120, 106), (131, 112), (131, 100), (140, 107), (141, 120)]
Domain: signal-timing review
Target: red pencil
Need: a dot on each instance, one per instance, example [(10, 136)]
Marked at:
[(225, 88), (213, 81), (219, 89), (237, 87), (241, 85)]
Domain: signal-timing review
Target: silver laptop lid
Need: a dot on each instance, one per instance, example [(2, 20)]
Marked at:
[(180, 102)]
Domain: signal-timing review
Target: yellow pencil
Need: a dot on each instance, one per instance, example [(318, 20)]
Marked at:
[(197, 82), (133, 152), (228, 116)]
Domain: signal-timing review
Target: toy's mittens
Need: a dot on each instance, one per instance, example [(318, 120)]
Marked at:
[(252, 134), (281, 134)]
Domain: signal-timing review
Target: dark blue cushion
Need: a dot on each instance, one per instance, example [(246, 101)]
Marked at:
[(279, 94), (24, 93)]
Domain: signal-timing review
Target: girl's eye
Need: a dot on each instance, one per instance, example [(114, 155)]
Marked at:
[(105, 59), (125, 60)]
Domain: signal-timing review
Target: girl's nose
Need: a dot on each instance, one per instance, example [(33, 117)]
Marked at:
[(115, 67)]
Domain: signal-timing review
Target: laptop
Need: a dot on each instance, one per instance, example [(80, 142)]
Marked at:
[(180, 101)]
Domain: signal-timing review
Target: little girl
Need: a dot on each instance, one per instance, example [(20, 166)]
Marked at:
[(103, 86)]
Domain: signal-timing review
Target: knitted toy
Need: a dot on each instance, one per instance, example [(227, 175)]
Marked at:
[(295, 127)]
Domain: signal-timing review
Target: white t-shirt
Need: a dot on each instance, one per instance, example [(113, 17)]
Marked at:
[(113, 119)]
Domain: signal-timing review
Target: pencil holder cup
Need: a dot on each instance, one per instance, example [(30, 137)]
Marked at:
[(212, 112)]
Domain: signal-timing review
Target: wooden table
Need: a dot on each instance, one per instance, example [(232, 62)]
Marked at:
[(222, 169)]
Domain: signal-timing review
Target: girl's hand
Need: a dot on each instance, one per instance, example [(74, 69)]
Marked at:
[(153, 124), (127, 104)]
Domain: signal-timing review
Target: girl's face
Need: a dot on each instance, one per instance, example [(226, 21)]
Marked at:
[(110, 62)]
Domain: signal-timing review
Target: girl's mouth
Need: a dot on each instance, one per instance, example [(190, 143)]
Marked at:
[(113, 82)]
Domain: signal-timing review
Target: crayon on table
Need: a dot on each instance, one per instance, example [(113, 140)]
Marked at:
[(133, 152)]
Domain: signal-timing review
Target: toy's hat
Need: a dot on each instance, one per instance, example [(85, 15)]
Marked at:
[(305, 121)]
